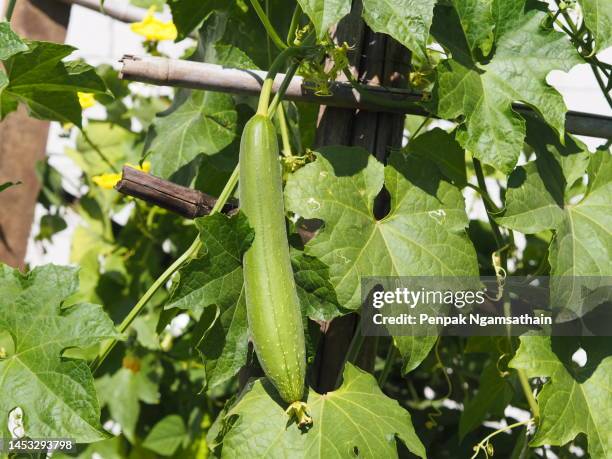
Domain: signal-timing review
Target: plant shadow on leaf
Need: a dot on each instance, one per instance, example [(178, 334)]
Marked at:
[(343, 168), (419, 172), (552, 176)]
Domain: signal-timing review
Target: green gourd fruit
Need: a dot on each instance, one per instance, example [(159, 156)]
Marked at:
[(273, 308)]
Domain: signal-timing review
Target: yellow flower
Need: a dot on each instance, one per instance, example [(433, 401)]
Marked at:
[(108, 181), (146, 167), (86, 99), (153, 29)]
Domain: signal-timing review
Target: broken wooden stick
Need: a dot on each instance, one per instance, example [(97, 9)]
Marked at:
[(184, 201)]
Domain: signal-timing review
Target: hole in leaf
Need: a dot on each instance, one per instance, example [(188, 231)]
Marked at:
[(7, 345), (15, 423), (382, 204), (580, 357)]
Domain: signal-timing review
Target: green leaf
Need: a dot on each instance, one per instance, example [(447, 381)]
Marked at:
[(477, 23), (413, 349), (538, 198), (408, 21), (355, 420), (117, 144), (123, 391), (187, 15), (10, 43), (441, 148), (231, 33), (47, 85), (199, 122), (423, 234), (316, 293), (215, 279), (570, 402), (494, 394), (56, 394), (49, 225), (166, 436), (598, 18), (325, 13), (525, 54)]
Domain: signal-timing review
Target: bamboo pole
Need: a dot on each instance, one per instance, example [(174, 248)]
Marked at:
[(212, 77)]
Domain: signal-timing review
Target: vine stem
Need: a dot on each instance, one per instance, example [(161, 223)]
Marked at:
[(97, 150), (278, 42), (192, 251), (485, 440), (9, 9), (483, 186), (601, 84), (594, 63), (533, 404), (389, 360)]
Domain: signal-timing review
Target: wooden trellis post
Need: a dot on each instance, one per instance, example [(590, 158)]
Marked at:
[(23, 139), (378, 60)]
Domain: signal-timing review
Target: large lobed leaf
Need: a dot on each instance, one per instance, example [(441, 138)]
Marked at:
[(538, 198), (199, 122), (570, 402), (423, 234), (355, 420), (57, 396), (48, 86), (483, 93)]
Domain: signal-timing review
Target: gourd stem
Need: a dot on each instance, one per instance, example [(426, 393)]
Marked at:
[(264, 97), (192, 251), (278, 42), (283, 88), (266, 89)]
